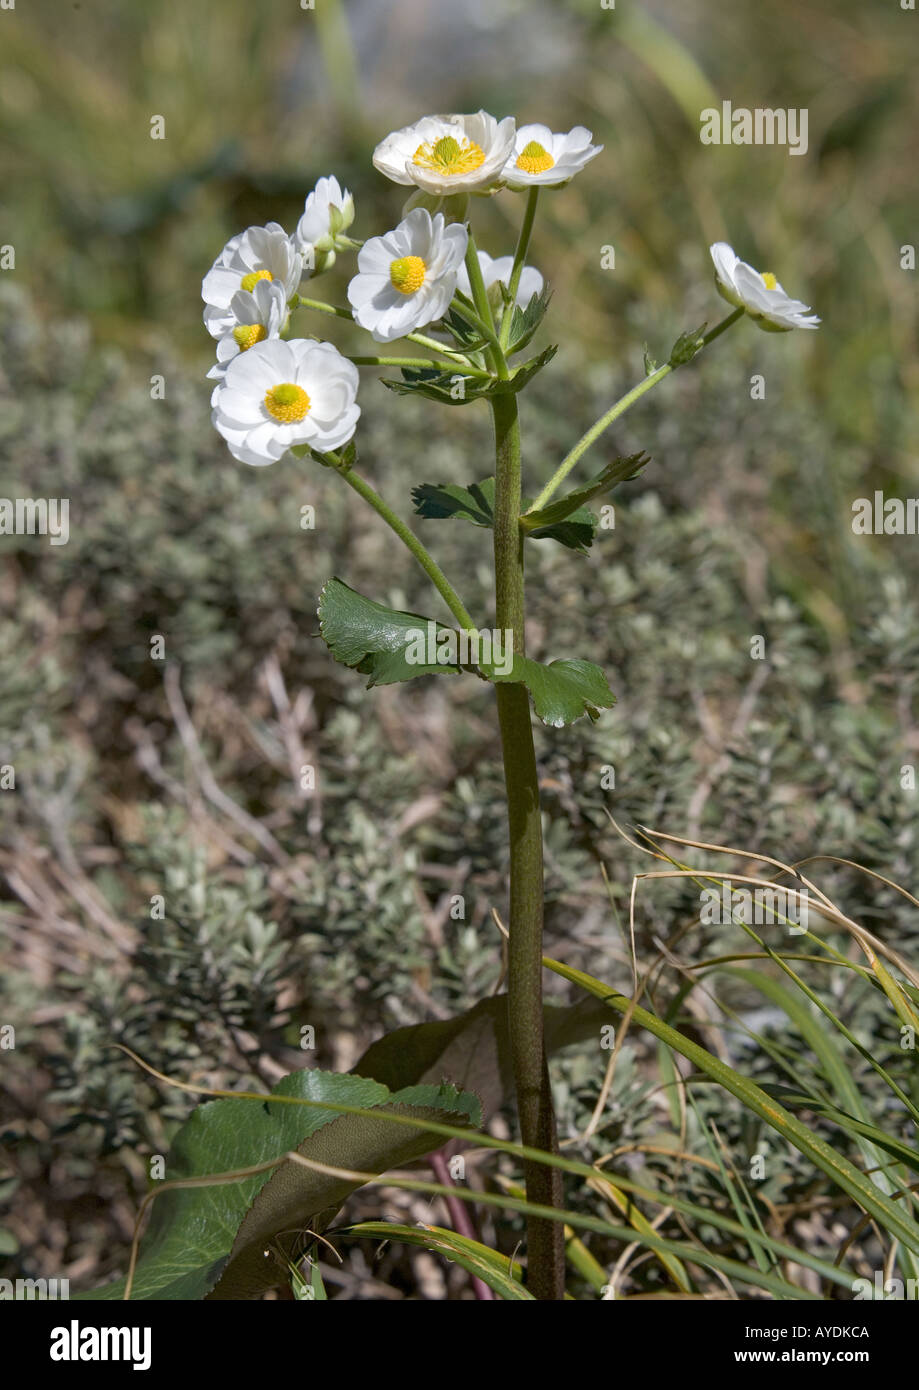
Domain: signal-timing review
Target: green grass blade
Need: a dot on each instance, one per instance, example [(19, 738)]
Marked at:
[(860, 1188)]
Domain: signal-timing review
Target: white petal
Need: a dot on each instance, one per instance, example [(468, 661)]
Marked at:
[(531, 282), (240, 408), (219, 286), (725, 258), (527, 133)]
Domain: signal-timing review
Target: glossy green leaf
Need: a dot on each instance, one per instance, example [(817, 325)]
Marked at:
[(380, 642), (472, 1050), (466, 335), (388, 646), (476, 504), (442, 501), (450, 386), (525, 372), (210, 1240), (562, 691)]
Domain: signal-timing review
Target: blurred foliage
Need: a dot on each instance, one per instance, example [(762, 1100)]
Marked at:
[(332, 907)]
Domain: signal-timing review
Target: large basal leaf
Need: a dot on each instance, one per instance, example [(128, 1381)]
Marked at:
[(388, 646), (296, 1199), (476, 503), (201, 1240), (472, 1050)]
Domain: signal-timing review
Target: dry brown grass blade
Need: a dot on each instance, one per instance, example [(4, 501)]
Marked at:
[(869, 943)]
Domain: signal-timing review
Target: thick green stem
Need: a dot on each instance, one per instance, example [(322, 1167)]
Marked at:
[(545, 1239)]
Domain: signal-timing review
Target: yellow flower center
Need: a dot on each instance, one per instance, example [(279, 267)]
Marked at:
[(407, 274), (449, 156), (769, 280), (248, 333), (250, 281), (287, 403), (534, 158)]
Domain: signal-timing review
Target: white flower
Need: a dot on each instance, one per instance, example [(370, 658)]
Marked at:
[(283, 393), (259, 253), (448, 154), (258, 314), (759, 293), (541, 157), (329, 211), (407, 277), (531, 282)]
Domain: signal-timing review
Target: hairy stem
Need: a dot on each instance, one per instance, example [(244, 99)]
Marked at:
[(545, 1239)]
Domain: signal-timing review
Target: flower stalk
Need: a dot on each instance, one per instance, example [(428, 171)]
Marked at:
[(408, 538), (621, 406), (545, 1239), (523, 242)]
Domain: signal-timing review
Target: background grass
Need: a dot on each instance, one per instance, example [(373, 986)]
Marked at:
[(335, 909)]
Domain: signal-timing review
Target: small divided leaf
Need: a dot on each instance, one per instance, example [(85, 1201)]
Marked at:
[(562, 690), (449, 386), (476, 503), (620, 470), (687, 345), (525, 321), (524, 373), (439, 501)]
